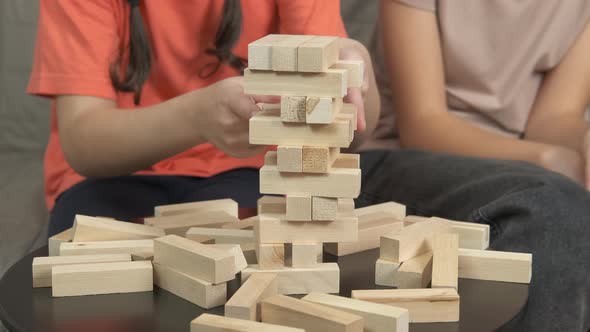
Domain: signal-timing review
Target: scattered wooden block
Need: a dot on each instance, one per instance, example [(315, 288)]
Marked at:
[(179, 224), (260, 52), (330, 83), (409, 220), (249, 251), (200, 292), (266, 128), (227, 205), (355, 71), (378, 317), (106, 247), (239, 257), (221, 235), (322, 110), (55, 241), (384, 272), (142, 256), (316, 55), (195, 259), (445, 261), (347, 160), (318, 159), (324, 208), (245, 303), (299, 207), (289, 159), (323, 278), (412, 240), (293, 109), (284, 52), (273, 228), (42, 266), (214, 323), (247, 223), (270, 255), (338, 182), (101, 278), (271, 204), (416, 272), (304, 254), (471, 235), (425, 305), (495, 265), (396, 210), (102, 229)]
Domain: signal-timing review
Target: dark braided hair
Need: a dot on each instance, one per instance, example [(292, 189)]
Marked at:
[(140, 55)]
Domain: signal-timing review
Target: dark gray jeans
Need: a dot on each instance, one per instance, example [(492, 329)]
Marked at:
[(528, 209)]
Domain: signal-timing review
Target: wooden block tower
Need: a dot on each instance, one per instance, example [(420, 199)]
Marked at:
[(317, 182)]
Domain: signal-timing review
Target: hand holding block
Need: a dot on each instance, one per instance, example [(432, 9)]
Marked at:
[(412, 240), (214, 323), (495, 265), (284, 52), (318, 54), (323, 278), (260, 52), (330, 83), (102, 229), (293, 109), (245, 303), (227, 205), (445, 261)]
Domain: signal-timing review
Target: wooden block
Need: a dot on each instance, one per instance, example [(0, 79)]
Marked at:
[(273, 228), (214, 323), (289, 158), (106, 247), (369, 236), (42, 266), (384, 272), (324, 208), (239, 257), (311, 317), (338, 182), (266, 128), (247, 223), (55, 241), (323, 278), (101, 278), (322, 110), (397, 211), (249, 251), (355, 68), (304, 254), (271, 204), (378, 317), (414, 273), (227, 205), (412, 240), (245, 303), (195, 259), (318, 54), (260, 52), (299, 207), (284, 52), (270, 255), (221, 235), (445, 262), (346, 206), (293, 108), (101, 229), (425, 305), (409, 220), (319, 159), (179, 224), (495, 265), (331, 83), (142, 256), (351, 112), (347, 160), (471, 235)]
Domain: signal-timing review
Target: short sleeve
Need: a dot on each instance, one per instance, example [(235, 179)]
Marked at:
[(311, 17), (76, 42), (429, 5)]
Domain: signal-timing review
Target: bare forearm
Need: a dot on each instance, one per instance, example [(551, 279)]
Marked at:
[(566, 130)]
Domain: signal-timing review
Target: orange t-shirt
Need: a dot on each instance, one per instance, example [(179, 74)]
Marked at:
[(78, 40)]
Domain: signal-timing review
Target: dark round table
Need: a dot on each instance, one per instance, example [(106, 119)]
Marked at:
[(485, 305)]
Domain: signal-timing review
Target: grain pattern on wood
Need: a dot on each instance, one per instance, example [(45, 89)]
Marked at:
[(270, 255), (495, 265), (330, 83), (285, 50), (214, 323), (293, 109), (88, 228), (245, 303), (106, 247), (323, 278), (179, 224), (260, 52), (412, 240), (227, 205), (305, 254), (322, 110), (416, 272), (445, 263), (318, 54)]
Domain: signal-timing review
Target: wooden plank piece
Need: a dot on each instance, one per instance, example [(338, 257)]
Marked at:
[(179, 224), (293, 109), (298, 207), (416, 272), (445, 261), (285, 50), (245, 303), (106, 247), (318, 54), (273, 228), (289, 158), (88, 228), (369, 236), (495, 265), (236, 250), (355, 71), (412, 240), (324, 208), (54, 242), (247, 223), (397, 210), (260, 52), (270, 255), (384, 272), (318, 159), (227, 205), (214, 323), (323, 278), (304, 254), (322, 110), (221, 235), (330, 83)]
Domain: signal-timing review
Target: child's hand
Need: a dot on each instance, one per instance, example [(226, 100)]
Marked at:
[(224, 119), (353, 50)]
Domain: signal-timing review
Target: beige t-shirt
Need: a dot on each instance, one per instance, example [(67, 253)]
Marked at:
[(495, 55)]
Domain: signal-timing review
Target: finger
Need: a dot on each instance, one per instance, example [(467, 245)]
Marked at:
[(355, 97)]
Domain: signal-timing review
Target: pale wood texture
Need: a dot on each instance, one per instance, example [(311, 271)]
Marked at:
[(290, 158), (318, 54), (384, 272), (304, 254), (245, 303), (285, 50), (195, 259), (409, 220), (330, 83), (397, 210), (355, 71), (323, 278), (179, 224), (412, 240), (338, 182), (227, 205), (322, 110), (318, 159), (247, 223), (271, 204), (42, 266), (347, 160), (425, 305), (260, 52), (214, 323), (249, 251), (350, 111), (378, 317), (368, 238), (416, 272), (471, 235), (266, 128), (311, 317), (324, 208), (236, 250), (270, 255), (495, 265), (200, 292), (293, 109), (445, 262), (142, 256), (106, 247), (54, 242), (221, 235), (102, 278), (273, 228), (88, 228), (298, 207)]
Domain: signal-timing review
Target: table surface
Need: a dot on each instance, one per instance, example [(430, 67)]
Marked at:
[(485, 305)]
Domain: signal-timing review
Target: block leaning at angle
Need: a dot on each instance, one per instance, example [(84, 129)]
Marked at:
[(106, 247), (55, 241), (445, 261), (323, 278), (245, 303), (214, 323), (88, 228), (412, 240)]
